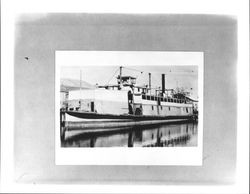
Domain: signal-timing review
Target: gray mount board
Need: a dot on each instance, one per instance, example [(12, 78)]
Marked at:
[(38, 39)]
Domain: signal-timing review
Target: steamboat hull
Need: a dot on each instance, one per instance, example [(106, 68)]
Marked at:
[(107, 123), (88, 115)]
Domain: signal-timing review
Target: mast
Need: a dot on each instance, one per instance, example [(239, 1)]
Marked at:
[(149, 82)]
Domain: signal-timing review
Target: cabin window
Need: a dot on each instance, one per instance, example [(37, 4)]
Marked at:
[(161, 107), (143, 97), (169, 108), (187, 110), (165, 99), (148, 97), (138, 89), (152, 107)]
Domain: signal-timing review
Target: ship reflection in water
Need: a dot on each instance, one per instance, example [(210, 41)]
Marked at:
[(170, 135)]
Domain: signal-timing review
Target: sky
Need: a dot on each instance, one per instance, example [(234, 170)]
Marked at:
[(176, 76), (102, 67)]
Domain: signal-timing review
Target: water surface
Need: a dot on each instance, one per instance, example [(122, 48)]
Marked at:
[(184, 134)]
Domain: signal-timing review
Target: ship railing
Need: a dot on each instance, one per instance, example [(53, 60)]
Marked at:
[(163, 99)]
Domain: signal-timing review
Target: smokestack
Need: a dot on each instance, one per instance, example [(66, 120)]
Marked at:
[(163, 83), (120, 85)]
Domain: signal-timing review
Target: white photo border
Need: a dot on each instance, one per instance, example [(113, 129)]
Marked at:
[(191, 156)]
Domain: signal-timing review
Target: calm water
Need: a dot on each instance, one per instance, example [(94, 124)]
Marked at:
[(184, 134)]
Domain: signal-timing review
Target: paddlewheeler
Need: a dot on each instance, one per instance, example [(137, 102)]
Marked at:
[(126, 104)]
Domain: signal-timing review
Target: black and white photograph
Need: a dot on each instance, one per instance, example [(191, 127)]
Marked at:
[(148, 105), (129, 106)]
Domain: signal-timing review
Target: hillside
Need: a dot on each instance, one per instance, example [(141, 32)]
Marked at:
[(72, 84)]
